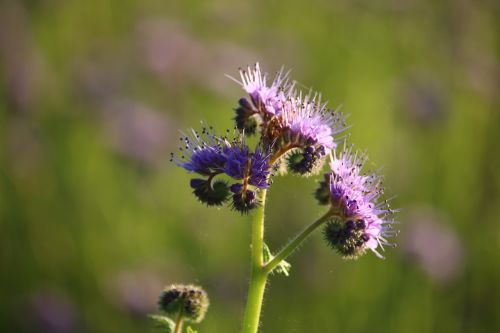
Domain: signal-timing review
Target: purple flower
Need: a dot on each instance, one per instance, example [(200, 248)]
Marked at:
[(287, 119), (237, 157), (211, 155), (201, 153), (267, 99), (243, 164), (310, 122), (355, 196), (259, 169)]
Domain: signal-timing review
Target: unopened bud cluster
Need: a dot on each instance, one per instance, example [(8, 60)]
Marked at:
[(188, 301)]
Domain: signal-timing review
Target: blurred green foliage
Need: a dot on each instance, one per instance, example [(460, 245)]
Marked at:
[(95, 220)]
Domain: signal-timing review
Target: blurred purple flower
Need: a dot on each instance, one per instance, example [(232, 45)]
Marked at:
[(171, 52), (23, 65), (136, 291), (52, 313), (423, 100), (431, 243), (137, 131), (168, 49)]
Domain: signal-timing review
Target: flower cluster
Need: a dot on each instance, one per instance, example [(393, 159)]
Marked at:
[(296, 133), (210, 155), (354, 196), (292, 124)]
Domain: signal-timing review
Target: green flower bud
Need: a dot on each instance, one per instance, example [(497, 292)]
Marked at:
[(347, 238), (322, 193), (245, 117), (245, 201), (214, 194), (191, 301)]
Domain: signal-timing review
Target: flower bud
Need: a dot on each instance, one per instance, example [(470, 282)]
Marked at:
[(245, 117), (191, 301), (214, 194), (246, 123), (322, 193), (347, 238), (245, 201), (306, 162)]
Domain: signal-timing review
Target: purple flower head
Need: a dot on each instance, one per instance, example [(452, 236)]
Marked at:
[(242, 164), (355, 196), (237, 158), (267, 99), (310, 122), (259, 169), (211, 155), (287, 119), (201, 152)]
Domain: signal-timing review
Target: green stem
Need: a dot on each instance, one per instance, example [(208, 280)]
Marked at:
[(258, 277), (178, 323), (295, 242)]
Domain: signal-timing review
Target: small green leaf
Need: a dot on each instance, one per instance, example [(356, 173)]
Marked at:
[(166, 324), (190, 330), (282, 268)]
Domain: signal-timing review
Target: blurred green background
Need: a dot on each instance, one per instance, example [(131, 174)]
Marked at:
[(95, 220)]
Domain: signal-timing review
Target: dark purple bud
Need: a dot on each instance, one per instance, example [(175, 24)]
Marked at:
[(236, 188), (214, 194), (349, 225), (242, 112), (348, 242), (245, 103), (244, 201), (310, 150), (360, 224), (365, 237), (322, 193), (321, 150), (250, 195), (197, 182)]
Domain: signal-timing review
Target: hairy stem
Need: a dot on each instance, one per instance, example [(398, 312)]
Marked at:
[(258, 277), (178, 323), (295, 242)]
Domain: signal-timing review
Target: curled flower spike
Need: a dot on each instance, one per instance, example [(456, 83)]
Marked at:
[(210, 155), (190, 301), (306, 162), (212, 193), (355, 198), (244, 199), (348, 239), (289, 121)]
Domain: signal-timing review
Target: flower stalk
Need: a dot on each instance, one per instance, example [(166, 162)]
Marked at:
[(258, 278), (179, 322), (297, 134), (260, 270), (296, 241)]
